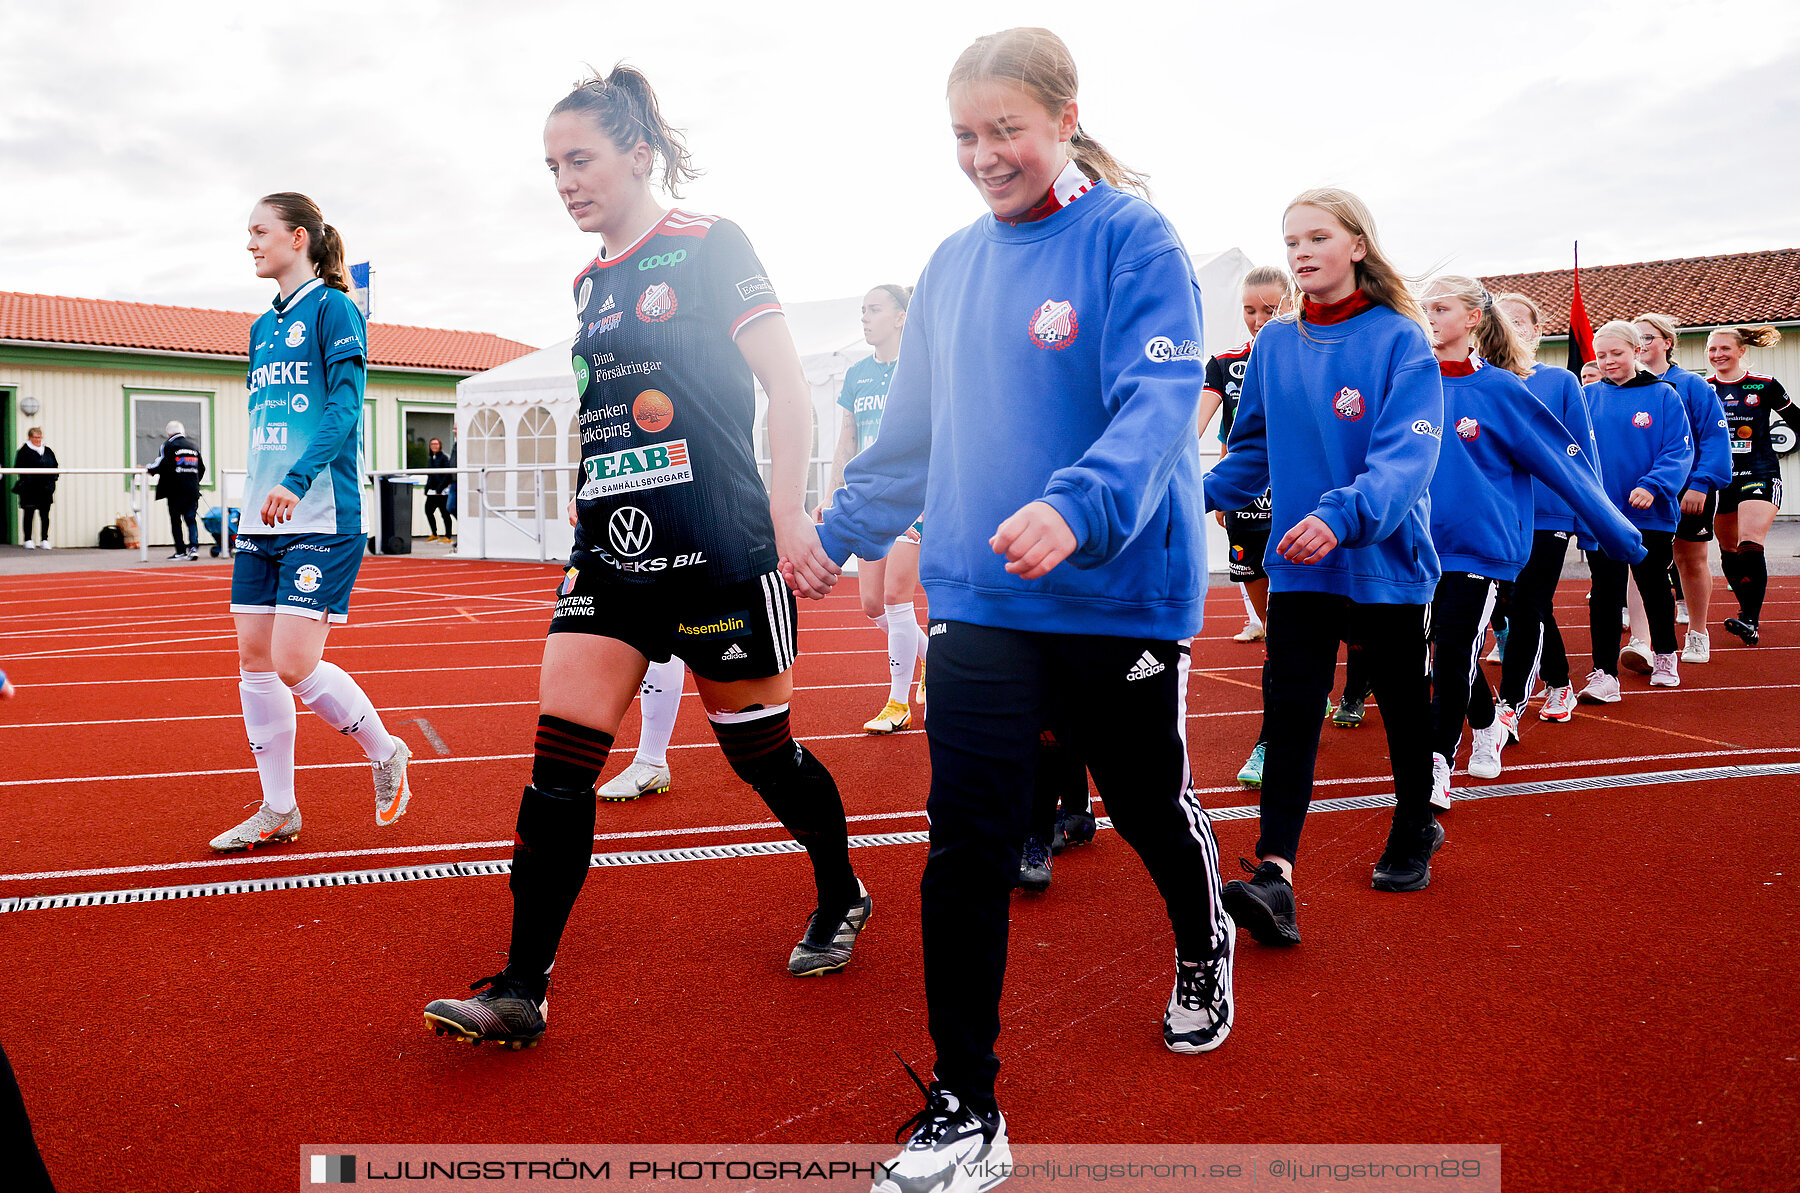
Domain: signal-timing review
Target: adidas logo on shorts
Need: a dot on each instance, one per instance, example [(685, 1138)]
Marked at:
[(732, 655), (1144, 668)]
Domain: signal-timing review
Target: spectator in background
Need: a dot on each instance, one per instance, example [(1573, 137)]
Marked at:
[(179, 469), (1590, 372), (436, 494), (35, 493)]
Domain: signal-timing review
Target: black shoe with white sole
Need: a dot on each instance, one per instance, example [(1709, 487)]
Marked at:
[(1406, 865), (1745, 630), (1264, 906), (827, 943), (953, 1148)]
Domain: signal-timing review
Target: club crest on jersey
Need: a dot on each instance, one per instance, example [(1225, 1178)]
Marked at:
[(657, 303), (581, 299), (306, 578), (1752, 400), (1054, 325), (1641, 419), (296, 335), (1468, 429), (1348, 405)]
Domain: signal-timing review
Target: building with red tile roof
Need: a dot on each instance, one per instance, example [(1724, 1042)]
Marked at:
[(1695, 291)]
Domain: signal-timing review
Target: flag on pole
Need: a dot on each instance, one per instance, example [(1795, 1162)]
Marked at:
[(1581, 331), (359, 289)]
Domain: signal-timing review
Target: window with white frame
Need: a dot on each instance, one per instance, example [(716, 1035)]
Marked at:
[(537, 445)]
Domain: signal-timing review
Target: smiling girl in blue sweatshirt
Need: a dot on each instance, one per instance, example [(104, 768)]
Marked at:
[(1339, 417), (1497, 437)]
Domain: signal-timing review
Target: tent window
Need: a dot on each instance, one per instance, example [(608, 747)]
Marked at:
[(537, 445)]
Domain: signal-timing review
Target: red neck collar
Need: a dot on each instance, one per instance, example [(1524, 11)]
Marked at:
[(1335, 312), (1069, 186), (1458, 368)]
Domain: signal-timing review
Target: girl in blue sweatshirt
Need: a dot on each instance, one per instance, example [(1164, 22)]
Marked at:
[(1534, 643), (1646, 455), (1339, 417), (1043, 415), (1497, 437)]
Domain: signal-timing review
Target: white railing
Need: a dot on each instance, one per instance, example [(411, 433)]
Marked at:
[(137, 479)]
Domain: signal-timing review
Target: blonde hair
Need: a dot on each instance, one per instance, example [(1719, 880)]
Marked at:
[(1269, 275), (1749, 337), (1375, 274), (1041, 65), (1496, 339), (1618, 329), (1537, 312), (1665, 327)]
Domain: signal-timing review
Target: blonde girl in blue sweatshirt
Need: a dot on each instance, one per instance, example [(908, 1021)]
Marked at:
[(1339, 418), (1043, 415), (1497, 437)]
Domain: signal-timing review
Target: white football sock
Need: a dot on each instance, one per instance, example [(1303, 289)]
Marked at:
[(904, 649), (269, 721), (334, 696), (660, 698)]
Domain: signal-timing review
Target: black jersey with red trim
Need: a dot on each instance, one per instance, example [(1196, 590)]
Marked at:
[(1225, 377), (1750, 403), (669, 487)]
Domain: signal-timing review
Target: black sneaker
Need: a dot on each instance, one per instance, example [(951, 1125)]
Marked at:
[(826, 945), (1034, 867), (1408, 868), (1072, 828), (508, 1012), (179, 555), (1349, 714), (1743, 629), (953, 1148), (1198, 1017), (1264, 906)]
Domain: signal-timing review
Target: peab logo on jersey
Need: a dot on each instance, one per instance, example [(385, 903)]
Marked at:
[(296, 335), (587, 292), (636, 468), (1054, 325), (630, 531), (298, 403), (657, 303), (306, 577), (1641, 419), (1162, 350), (1468, 429), (1348, 405)]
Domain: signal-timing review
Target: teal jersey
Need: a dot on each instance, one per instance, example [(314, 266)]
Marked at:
[(865, 396), (304, 435)]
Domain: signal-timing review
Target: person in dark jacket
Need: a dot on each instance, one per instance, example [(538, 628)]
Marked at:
[(436, 490), (179, 469), (35, 493)]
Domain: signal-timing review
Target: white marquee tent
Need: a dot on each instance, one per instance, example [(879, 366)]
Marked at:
[(522, 415)]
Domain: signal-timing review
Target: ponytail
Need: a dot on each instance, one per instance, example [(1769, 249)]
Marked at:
[(1496, 339), (1096, 161), (1751, 337), (902, 295), (623, 106), (324, 247)]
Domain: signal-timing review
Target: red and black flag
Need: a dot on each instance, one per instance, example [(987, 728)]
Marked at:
[(1581, 331)]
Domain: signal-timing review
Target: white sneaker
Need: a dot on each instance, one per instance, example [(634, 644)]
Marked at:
[(1198, 1017), (1665, 675), (30, 546), (1559, 704), (1252, 632), (265, 827), (1507, 717), (44, 544), (952, 1150), (392, 791), (1635, 656), (638, 779), (1484, 755), (1697, 648), (1440, 782), (1681, 613), (1601, 688)]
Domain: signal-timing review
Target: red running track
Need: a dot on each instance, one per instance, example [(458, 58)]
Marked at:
[(1601, 980)]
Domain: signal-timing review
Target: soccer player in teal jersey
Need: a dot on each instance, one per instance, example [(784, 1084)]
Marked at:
[(300, 541)]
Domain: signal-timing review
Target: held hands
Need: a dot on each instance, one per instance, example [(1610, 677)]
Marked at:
[(278, 506), (804, 564), (1308, 542), (1034, 541), (1641, 499), (1692, 501)]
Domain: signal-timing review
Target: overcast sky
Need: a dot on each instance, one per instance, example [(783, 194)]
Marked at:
[(135, 138)]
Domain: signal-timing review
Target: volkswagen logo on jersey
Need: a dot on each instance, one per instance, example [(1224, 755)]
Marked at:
[(630, 531), (1348, 405), (581, 299), (657, 303), (296, 335), (306, 578), (1054, 325), (1468, 429), (299, 403), (1641, 419)]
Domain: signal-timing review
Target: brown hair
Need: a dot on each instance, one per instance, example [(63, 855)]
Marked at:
[(623, 106), (1749, 337), (1665, 327), (324, 247), (1376, 276), (1041, 65), (1496, 339), (900, 294)]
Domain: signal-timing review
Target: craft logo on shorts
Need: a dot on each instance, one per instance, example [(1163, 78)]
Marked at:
[(1641, 419), (674, 258), (653, 411), (299, 403), (581, 375), (1054, 325), (657, 303), (1420, 426), (1348, 404), (636, 468), (750, 287), (306, 579), (1468, 429), (296, 335), (581, 299), (1162, 350), (630, 531)]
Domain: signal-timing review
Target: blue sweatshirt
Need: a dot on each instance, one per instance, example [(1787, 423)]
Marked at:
[(1497, 439), (1560, 392), (1057, 361), (1641, 429), (1706, 423), (1341, 423)]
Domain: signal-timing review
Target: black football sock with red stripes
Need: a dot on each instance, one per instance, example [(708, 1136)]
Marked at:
[(553, 842), (759, 744)]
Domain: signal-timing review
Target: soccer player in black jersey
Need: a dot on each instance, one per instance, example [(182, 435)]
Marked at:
[(676, 539), (1748, 506)]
